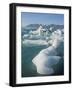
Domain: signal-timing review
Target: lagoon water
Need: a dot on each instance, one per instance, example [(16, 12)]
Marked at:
[(28, 69)]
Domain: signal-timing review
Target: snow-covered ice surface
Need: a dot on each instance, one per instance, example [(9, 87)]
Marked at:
[(50, 56), (34, 42)]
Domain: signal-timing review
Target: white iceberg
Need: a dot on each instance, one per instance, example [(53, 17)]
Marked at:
[(44, 62), (49, 56), (34, 42)]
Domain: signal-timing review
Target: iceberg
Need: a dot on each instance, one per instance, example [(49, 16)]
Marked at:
[(44, 62), (34, 42), (50, 56)]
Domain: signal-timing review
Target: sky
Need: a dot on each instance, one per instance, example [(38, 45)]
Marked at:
[(41, 18)]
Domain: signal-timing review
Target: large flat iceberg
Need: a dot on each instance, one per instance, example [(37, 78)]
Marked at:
[(34, 42)]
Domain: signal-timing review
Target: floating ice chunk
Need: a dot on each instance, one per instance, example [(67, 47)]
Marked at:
[(25, 36), (44, 63), (34, 42), (45, 60), (57, 42), (58, 34), (48, 57)]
